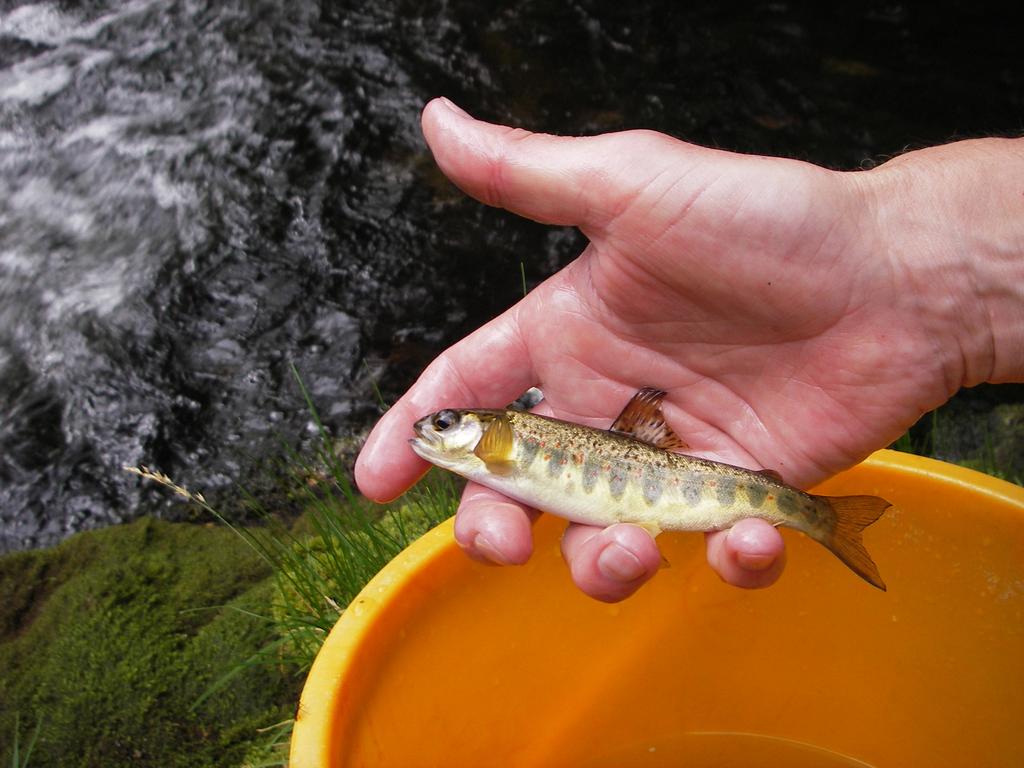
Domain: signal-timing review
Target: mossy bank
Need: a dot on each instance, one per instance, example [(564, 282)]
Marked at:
[(109, 640)]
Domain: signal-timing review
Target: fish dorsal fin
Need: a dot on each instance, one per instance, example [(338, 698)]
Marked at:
[(496, 445), (642, 419), (771, 474)]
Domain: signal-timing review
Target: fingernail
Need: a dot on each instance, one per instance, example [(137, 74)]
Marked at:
[(454, 107), (619, 564), (754, 562), (747, 560), (483, 546)]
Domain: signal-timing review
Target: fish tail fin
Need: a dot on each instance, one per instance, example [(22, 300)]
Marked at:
[(853, 515)]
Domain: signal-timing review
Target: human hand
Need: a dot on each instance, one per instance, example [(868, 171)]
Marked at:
[(757, 292)]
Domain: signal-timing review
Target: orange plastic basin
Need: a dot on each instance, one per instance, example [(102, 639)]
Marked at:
[(444, 662)]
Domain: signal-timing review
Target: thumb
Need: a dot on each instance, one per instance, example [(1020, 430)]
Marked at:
[(577, 181)]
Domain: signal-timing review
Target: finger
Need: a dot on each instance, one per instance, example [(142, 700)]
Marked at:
[(488, 369), (610, 564), (751, 554), (492, 528), (552, 179)]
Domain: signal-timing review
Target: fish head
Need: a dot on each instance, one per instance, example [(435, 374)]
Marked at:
[(449, 437)]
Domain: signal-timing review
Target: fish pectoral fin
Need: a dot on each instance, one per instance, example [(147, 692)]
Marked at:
[(772, 474), (496, 446), (652, 528), (643, 420)]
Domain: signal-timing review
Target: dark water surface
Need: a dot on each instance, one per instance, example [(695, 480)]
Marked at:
[(196, 195)]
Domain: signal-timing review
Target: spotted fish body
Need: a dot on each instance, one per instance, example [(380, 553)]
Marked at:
[(600, 477)]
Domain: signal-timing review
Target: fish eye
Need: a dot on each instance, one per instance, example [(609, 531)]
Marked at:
[(444, 419)]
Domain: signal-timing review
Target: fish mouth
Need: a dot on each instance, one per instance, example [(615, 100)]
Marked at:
[(421, 448), (425, 431), (427, 442), (430, 449)]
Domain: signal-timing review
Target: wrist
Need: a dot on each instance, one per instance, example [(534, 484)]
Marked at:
[(950, 220)]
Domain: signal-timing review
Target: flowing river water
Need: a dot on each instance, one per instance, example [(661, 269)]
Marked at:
[(196, 196)]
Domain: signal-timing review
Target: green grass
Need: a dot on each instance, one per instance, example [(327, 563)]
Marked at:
[(108, 641), (19, 758)]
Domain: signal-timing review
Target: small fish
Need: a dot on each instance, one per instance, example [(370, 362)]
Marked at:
[(633, 474)]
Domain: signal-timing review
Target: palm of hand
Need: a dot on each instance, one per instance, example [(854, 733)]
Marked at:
[(750, 314)]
